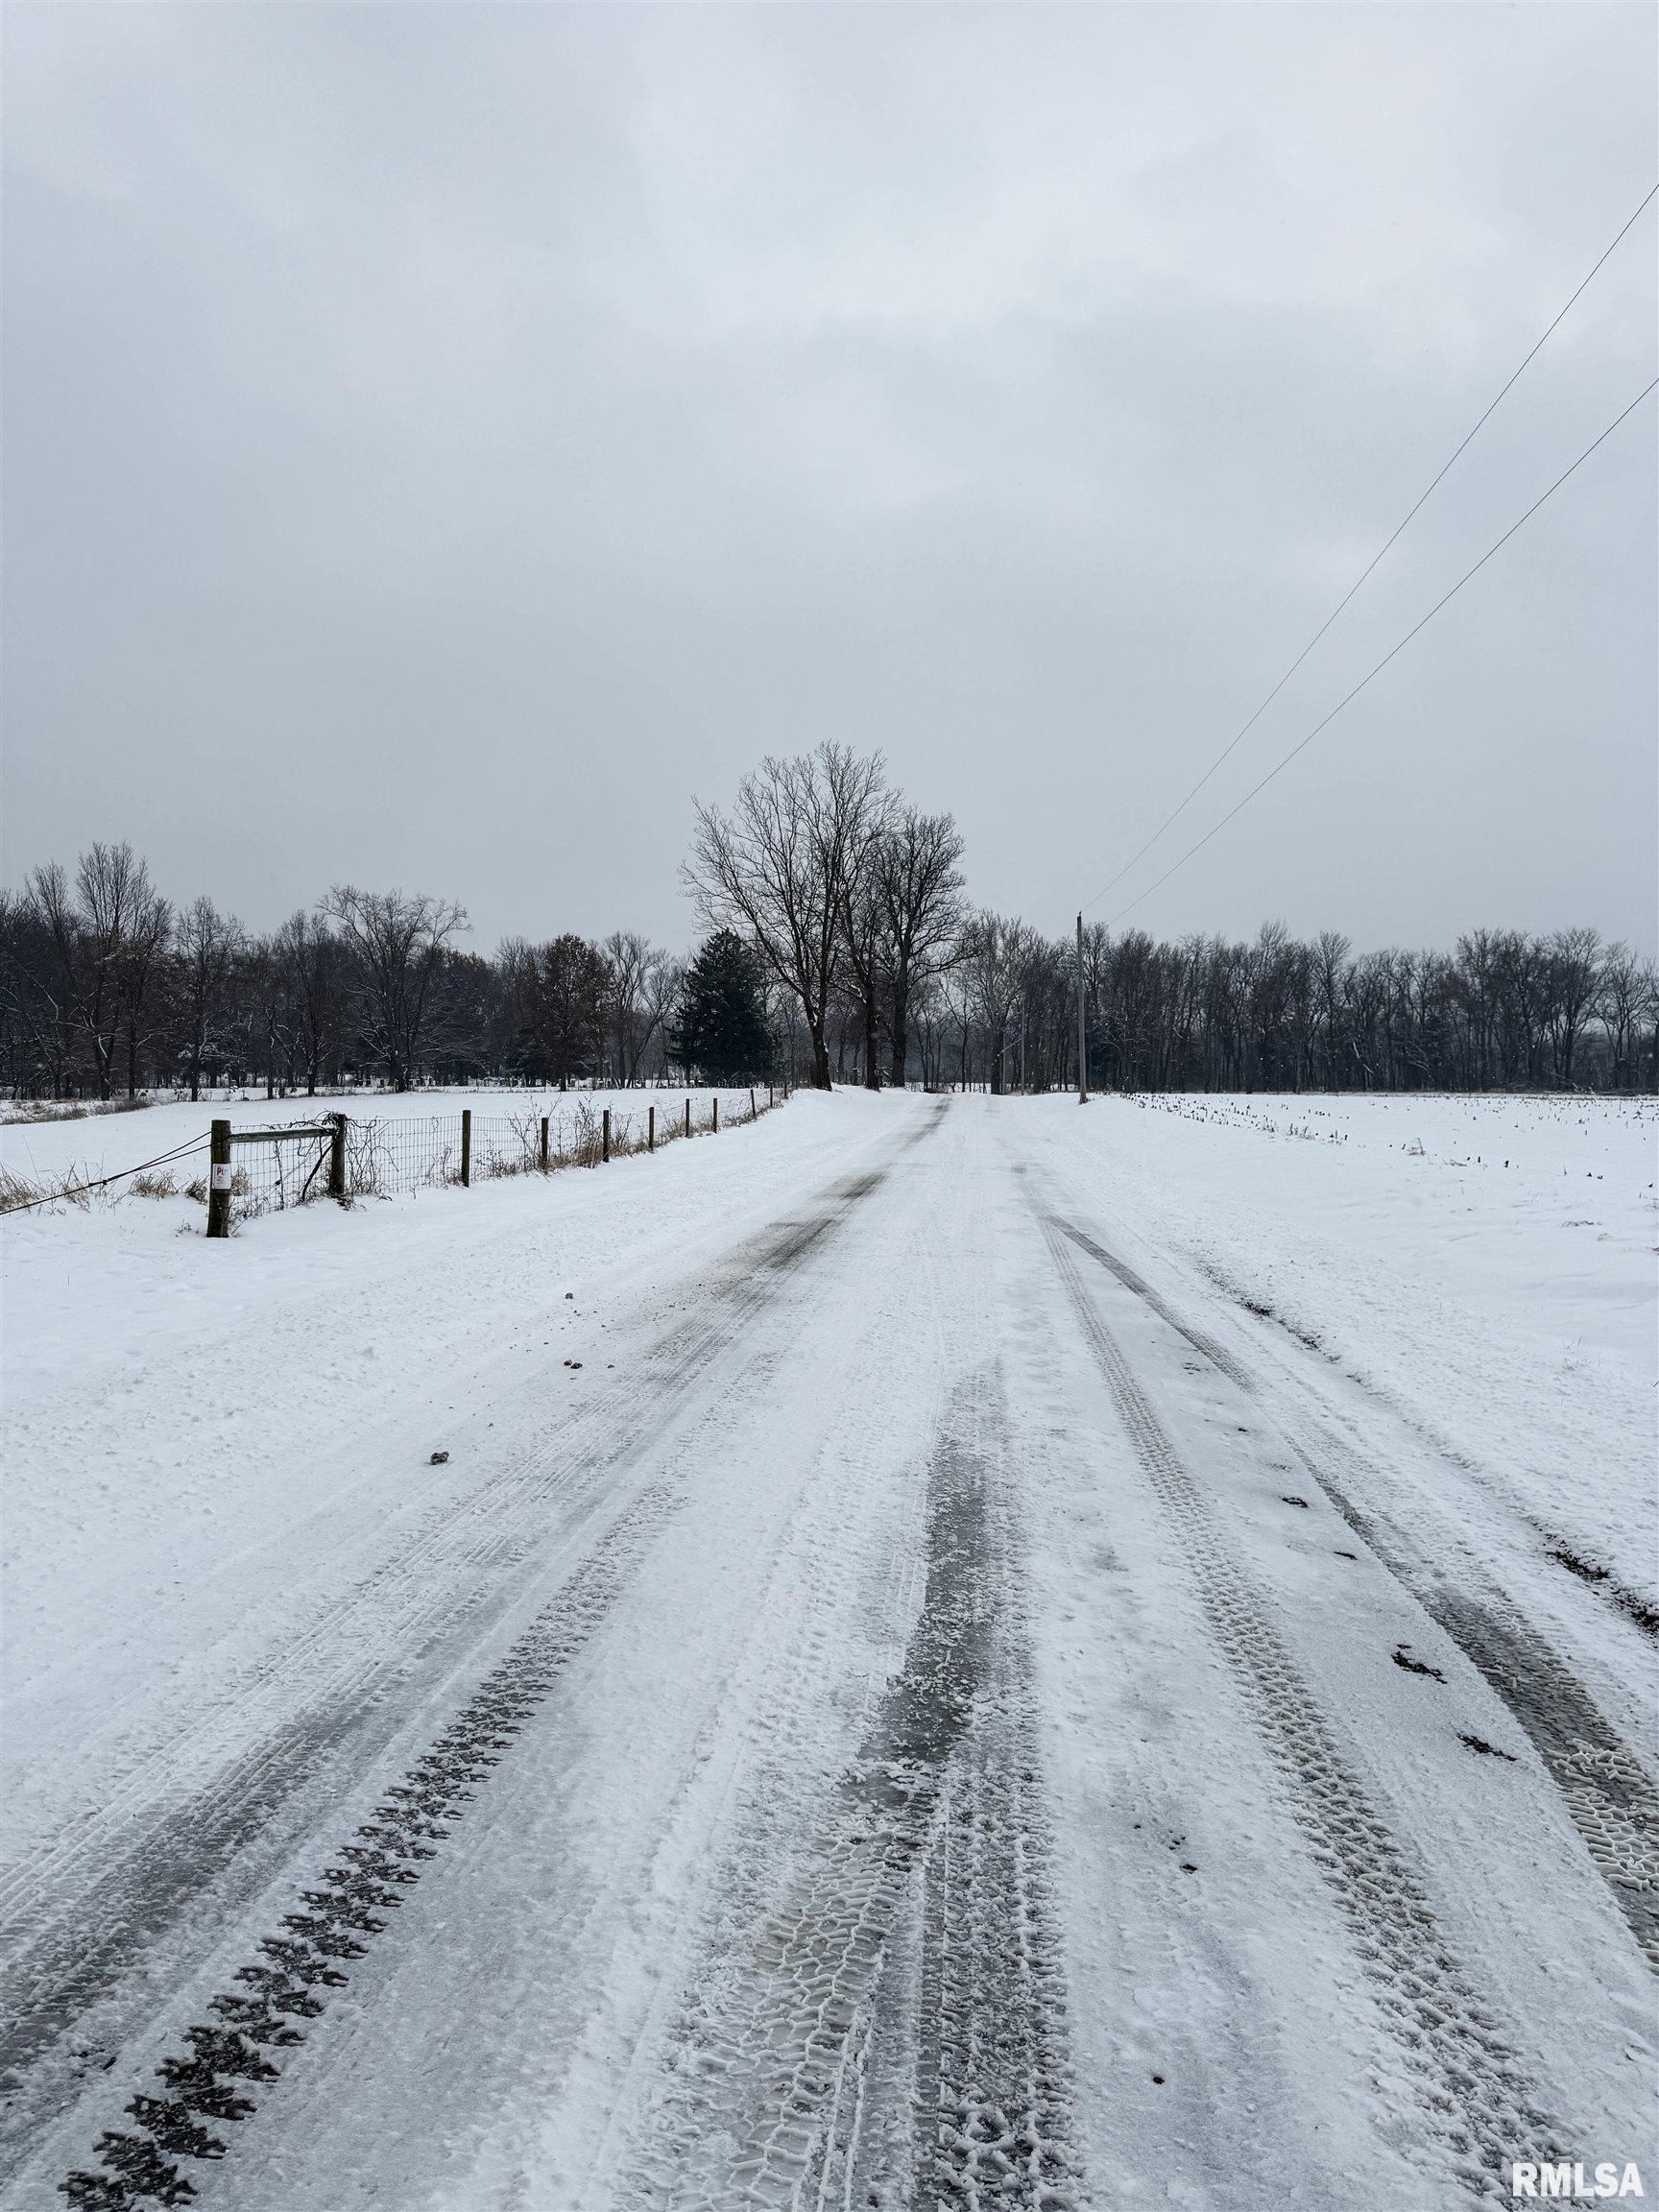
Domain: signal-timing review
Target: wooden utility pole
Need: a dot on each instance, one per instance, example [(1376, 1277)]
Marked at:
[(1082, 1026), (219, 1180)]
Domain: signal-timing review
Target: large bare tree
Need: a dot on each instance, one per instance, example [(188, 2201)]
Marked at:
[(398, 939), (864, 940), (780, 866)]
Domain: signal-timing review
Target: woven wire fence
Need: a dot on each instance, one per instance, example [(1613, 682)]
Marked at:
[(276, 1170), (273, 1171), (385, 1157), (514, 1144)]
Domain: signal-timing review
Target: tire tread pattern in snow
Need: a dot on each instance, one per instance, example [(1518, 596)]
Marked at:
[(1479, 2102)]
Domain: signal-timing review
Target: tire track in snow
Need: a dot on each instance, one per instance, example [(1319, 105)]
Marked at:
[(1599, 1580), (1200, 1340), (207, 2083), (893, 2034), (141, 2166), (1479, 2102), (1608, 1793)]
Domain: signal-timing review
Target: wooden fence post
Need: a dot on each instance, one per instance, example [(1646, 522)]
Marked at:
[(716, 1120), (219, 1180), (650, 1128), (605, 1139), (687, 1117), (544, 1143), (751, 1101), (337, 1159), (465, 1147)]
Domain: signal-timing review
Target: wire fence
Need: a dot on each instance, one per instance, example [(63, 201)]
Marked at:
[(253, 1171), (343, 1156), (386, 1158), (271, 1171)]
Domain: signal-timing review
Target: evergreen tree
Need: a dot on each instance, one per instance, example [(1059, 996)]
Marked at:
[(720, 1022)]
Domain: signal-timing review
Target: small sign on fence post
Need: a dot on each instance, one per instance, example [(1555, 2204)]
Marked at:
[(219, 1179), (465, 1147), (605, 1135)]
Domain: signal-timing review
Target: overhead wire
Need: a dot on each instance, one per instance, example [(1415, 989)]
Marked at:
[(1375, 560), (1326, 720)]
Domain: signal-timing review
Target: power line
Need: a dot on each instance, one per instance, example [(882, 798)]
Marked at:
[(1386, 658), (1370, 566)]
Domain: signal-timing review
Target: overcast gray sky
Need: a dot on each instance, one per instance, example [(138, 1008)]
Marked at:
[(440, 439)]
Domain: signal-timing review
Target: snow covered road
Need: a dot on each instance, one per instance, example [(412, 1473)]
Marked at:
[(1011, 1672)]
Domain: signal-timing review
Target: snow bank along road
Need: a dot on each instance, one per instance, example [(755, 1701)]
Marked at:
[(963, 1653)]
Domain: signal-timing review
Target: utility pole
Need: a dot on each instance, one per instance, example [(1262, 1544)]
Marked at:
[(1082, 1026)]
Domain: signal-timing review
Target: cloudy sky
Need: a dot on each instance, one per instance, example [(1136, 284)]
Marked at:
[(440, 439)]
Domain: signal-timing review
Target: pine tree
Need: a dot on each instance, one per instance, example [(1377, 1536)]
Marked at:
[(720, 1022)]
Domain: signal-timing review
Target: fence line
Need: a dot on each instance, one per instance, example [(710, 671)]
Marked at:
[(258, 1171)]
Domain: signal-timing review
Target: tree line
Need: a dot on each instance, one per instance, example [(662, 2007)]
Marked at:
[(840, 946), (106, 987)]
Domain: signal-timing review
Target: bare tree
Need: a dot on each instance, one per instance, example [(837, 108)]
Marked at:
[(397, 941), (998, 952), (271, 1019), (38, 1036), (314, 964), (96, 933), (1576, 961), (779, 867), (863, 937), (207, 945), (920, 887), (641, 994), (1625, 995), (139, 971), (660, 997)]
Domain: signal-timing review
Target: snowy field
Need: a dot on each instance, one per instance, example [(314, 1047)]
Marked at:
[(922, 1652), (1485, 1267)]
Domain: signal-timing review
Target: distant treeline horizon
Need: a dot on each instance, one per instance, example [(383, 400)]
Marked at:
[(869, 965)]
